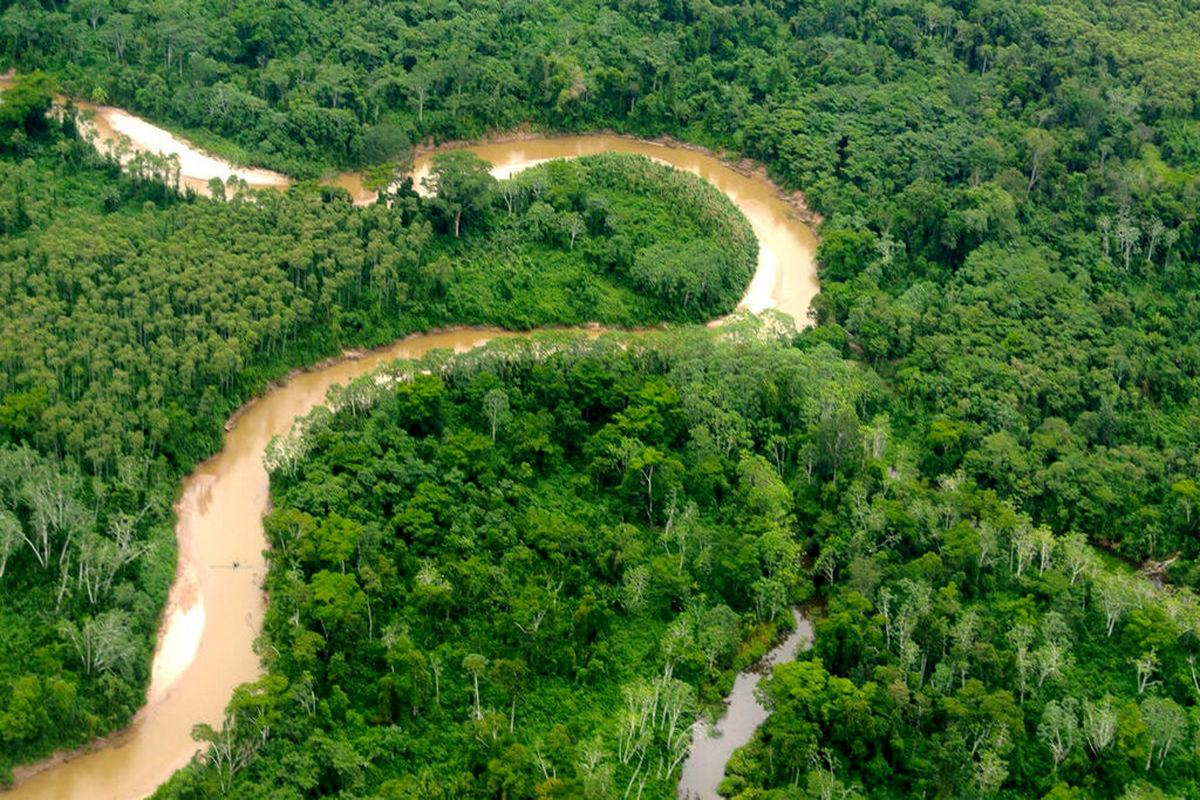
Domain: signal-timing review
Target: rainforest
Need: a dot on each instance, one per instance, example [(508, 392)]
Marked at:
[(540, 567)]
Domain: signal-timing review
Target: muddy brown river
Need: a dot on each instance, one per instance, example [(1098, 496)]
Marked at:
[(215, 610)]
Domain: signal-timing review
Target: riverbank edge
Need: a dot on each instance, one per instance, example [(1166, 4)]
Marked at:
[(745, 167), (762, 668), (356, 353), (24, 772)]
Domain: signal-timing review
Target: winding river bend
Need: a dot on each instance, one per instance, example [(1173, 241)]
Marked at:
[(214, 611)]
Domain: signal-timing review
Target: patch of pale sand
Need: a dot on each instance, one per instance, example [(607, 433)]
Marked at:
[(193, 162)]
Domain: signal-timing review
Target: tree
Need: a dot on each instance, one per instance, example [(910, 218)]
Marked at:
[(823, 782), (1100, 724), (1170, 237), (1051, 660), (843, 253), (650, 464), (1187, 495), (495, 405), (1154, 234), (462, 183), (1116, 597), (335, 601), (836, 440), (1166, 724), (574, 226), (512, 675), (1128, 236), (1146, 665), (387, 144), (475, 664), (990, 773), (245, 729), (50, 496), (543, 222), (431, 590), (636, 582), (435, 666), (26, 103), (887, 247), (11, 537), (1020, 637), (1058, 729), (769, 598), (334, 541), (719, 634), (1104, 225), (104, 643), (1079, 560), (100, 558), (418, 82), (963, 634), (1040, 145)]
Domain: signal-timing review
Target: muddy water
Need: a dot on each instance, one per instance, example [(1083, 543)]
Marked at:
[(713, 745), (115, 130), (786, 278), (215, 609)]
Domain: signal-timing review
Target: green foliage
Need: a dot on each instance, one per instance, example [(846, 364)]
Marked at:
[(134, 324), (980, 656), (24, 107), (1010, 243), (526, 626), (462, 183)]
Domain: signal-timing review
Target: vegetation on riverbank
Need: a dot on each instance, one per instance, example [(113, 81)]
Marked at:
[(953, 148), (969, 652), (136, 320), (523, 570), (1011, 242)]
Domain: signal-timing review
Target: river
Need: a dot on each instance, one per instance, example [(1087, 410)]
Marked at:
[(712, 745), (214, 609)]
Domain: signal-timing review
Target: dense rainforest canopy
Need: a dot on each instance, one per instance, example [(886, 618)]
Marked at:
[(522, 571), (136, 321), (1056, 144), (478, 560), (1010, 246)]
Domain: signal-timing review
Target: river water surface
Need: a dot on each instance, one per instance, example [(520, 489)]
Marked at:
[(214, 610), (712, 745)]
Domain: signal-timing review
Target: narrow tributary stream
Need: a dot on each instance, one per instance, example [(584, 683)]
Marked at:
[(712, 745), (214, 610)]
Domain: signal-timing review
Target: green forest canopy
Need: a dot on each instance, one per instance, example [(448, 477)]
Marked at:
[(136, 321), (1010, 193), (523, 571), (477, 560)]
